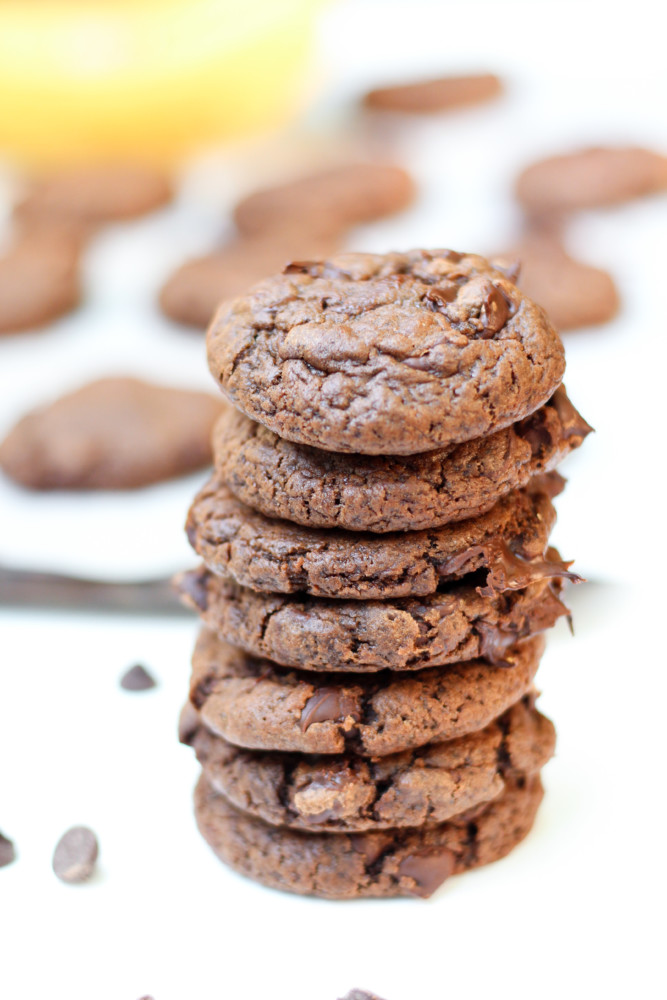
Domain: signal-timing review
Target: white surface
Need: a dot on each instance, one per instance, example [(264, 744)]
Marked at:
[(574, 911)]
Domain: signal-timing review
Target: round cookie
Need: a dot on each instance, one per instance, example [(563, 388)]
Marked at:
[(115, 433), (398, 862), (314, 633), (255, 704), (509, 542), (386, 354), (39, 279), (351, 794), (590, 178), (337, 198), (319, 489)]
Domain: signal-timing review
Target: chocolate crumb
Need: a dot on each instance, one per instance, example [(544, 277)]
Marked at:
[(75, 855), (137, 678)]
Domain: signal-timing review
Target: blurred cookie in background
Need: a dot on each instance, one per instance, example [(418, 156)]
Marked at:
[(115, 433), (572, 293), (194, 291), (94, 195), (446, 93), (590, 178), (39, 278), (329, 201)]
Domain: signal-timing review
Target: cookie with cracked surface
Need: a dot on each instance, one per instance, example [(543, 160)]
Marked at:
[(386, 354), (509, 542), (573, 294), (255, 704), (443, 93), (115, 433), (351, 794), (314, 633), (194, 291), (590, 178), (336, 198), (39, 279), (396, 862), (320, 489), (93, 195)]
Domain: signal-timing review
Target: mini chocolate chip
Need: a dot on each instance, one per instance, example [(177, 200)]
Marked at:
[(429, 869), (137, 678), (329, 705), (7, 851), (75, 855)]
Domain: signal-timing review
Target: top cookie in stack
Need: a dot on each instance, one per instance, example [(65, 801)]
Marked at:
[(376, 547)]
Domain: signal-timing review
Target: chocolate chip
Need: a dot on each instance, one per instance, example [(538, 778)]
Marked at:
[(495, 311), (137, 678), (329, 705), (572, 422), (75, 855), (428, 869), (371, 845), (7, 852)]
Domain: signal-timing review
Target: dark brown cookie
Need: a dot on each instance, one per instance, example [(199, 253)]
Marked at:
[(95, 195), (571, 293), (392, 354), (337, 198), (39, 279), (255, 704), (314, 633), (351, 794), (509, 541), (381, 493), (439, 94), (398, 862), (195, 290), (590, 178), (116, 433)]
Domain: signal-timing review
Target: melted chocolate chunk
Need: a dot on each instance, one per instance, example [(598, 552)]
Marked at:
[(192, 587), (371, 845), (75, 855), (329, 705), (429, 869), (572, 421)]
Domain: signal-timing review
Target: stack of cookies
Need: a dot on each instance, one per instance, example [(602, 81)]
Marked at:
[(376, 573)]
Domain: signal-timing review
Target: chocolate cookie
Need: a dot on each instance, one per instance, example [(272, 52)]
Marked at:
[(336, 199), (590, 178), (440, 94), (351, 794), (398, 862), (509, 541), (392, 354), (255, 704), (381, 493), (571, 293), (95, 194), (116, 433), (39, 279), (314, 633), (195, 290)]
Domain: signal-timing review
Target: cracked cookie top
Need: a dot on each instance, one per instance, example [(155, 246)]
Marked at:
[(386, 354)]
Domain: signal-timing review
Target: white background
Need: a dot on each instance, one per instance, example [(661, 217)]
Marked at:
[(576, 910)]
